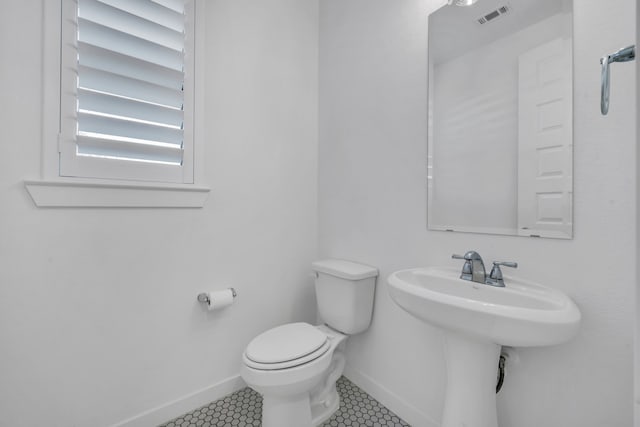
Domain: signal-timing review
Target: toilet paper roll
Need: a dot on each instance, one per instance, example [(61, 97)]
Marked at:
[(220, 299)]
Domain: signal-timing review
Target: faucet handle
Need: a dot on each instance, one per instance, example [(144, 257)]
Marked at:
[(505, 263), (467, 270), (469, 256), (496, 274)]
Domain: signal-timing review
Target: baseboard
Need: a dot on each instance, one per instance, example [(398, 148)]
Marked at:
[(407, 412), (182, 405)]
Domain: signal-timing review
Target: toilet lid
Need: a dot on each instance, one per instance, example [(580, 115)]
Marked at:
[(285, 343)]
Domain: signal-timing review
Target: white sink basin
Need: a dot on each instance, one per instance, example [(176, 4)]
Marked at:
[(520, 314), (478, 319)]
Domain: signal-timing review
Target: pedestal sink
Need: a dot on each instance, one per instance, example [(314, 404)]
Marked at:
[(477, 320)]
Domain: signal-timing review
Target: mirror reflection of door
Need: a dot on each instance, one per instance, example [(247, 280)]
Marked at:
[(545, 140)]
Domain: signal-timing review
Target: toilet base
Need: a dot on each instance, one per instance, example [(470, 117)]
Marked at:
[(286, 412), (322, 411), (298, 412)]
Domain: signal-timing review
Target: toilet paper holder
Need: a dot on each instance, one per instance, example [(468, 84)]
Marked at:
[(204, 298)]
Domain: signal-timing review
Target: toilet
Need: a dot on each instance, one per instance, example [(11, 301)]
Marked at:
[(295, 366)]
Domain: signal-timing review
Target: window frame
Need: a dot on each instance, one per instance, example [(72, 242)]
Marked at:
[(55, 190)]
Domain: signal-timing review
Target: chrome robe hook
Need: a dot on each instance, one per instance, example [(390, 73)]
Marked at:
[(623, 55)]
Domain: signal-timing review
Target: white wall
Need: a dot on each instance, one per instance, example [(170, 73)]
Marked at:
[(372, 208), (98, 314)]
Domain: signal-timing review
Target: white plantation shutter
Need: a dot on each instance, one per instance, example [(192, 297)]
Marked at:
[(128, 90)]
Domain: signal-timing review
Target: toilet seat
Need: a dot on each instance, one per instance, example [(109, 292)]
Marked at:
[(286, 346)]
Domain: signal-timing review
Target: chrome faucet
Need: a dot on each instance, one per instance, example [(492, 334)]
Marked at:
[(473, 268), (474, 271)]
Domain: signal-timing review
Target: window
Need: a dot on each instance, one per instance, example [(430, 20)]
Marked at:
[(119, 101), (127, 90)]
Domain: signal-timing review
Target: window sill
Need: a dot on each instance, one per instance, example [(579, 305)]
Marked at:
[(62, 194)]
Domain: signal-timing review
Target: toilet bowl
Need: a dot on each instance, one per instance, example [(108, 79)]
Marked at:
[(295, 366), (298, 390)]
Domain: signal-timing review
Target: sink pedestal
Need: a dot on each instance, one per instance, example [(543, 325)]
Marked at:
[(477, 320), (470, 399)]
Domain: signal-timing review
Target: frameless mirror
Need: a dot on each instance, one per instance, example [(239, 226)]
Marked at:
[(500, 139)]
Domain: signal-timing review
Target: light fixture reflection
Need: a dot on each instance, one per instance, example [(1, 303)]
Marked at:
[(462, 2)]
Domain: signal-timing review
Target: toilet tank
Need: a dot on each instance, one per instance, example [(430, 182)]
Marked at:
[(345, 291)]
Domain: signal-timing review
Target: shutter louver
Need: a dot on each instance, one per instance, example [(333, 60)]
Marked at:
[(130, 80)]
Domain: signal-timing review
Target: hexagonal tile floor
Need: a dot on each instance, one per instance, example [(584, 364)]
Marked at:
[(244, 409)]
